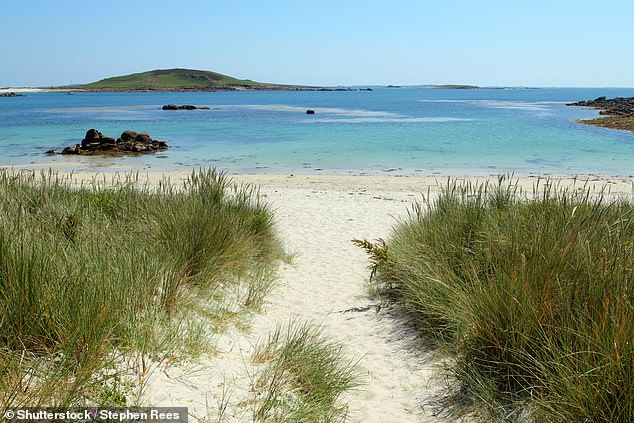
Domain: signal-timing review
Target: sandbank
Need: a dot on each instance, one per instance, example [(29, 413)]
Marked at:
[(31, 90)]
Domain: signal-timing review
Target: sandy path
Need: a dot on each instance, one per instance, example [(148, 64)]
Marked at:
[(324, 284), (318, 217)]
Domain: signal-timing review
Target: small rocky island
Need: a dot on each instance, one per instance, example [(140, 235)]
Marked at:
[(618, 112), (183, 107), (11, 94), (130, 142)]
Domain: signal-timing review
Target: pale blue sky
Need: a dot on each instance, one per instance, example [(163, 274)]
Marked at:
[(322, 42)]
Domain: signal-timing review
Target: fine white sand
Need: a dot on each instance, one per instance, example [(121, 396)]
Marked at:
[(318, 218), (30, 90)]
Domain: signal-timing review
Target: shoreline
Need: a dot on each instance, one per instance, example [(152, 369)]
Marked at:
[(619, 185), (32, 90), (110, 164), (227, 88)]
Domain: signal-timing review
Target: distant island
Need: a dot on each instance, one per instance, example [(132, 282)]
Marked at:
[(455, 87), (439, 87), (192, 80), (177, 80), (618, 112)]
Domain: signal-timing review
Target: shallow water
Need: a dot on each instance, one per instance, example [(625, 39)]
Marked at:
[(387, 130)]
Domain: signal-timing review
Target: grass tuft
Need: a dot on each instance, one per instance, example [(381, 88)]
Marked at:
[(92, 274), (305, 376), (533, 293)]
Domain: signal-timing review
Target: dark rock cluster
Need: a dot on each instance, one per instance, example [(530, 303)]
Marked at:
[(130, 142), (620, 106), (11, 95), (183, 107)]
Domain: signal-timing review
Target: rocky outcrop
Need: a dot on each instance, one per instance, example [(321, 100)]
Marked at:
[(620, 106), (11, 95), (183, 107), (95, 140), (130, 142), (618, 112)]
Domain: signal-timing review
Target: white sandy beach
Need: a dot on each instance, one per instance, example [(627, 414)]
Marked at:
[(318, 216), (30, 90)]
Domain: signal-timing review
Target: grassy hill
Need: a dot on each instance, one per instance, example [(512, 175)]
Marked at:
[(178, 80)]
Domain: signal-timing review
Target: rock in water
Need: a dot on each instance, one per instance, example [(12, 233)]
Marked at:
[(143, 138), (183, 107), (130, 142), (92, 135), (128, 135)]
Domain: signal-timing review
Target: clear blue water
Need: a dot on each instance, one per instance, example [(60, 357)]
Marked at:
[(393, 130)]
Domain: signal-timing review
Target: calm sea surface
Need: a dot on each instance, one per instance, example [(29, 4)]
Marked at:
[(387, 130)]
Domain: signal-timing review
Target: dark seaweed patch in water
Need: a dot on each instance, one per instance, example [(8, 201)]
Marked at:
[(544, 162), (426, 149)]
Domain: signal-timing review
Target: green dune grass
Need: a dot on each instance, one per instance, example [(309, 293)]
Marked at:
[(533, 294), (94, 276), (304, 378)]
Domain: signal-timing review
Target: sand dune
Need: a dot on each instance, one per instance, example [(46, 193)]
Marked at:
[(318, 216), (324, 284)]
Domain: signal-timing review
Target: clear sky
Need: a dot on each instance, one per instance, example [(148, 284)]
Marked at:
[(322, 42)]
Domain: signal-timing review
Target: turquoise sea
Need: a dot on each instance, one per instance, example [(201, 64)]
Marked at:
[(406, 131)]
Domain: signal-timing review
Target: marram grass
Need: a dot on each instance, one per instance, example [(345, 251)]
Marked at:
[(534, 294), (93, 273), (304, 378)]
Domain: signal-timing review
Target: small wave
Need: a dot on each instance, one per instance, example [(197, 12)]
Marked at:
[(101, 109), (387, 120), (319, 110), (338, 115), (503, 104), (516, 105)]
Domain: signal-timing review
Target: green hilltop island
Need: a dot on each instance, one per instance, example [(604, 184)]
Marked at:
[(177, 80)]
